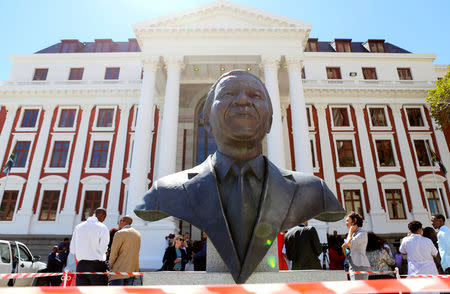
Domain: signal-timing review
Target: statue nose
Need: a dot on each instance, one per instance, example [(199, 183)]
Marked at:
[(242, 99)]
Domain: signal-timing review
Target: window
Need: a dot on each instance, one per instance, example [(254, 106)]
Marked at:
[(22, 150), (24, 254), (49, 206), (378, 117), (369, 73), (353, 201), (40, 74), (434, 202), (5, 253), (334, 73), (133, 45), (340, 117), (8, 205), (76, 73), (68, 46), (103, 45), (394, 202), (112, 73), (99, 154), (377, 46), (312, 45), (67, 118), (29, 118), (313, 155), (308, 115), (415, 118), (59, 155), (421, 153), (404, 73), (385, 153), (303, 73), (92, 201), (206, 144), (345, 153), (105, 118), (343, 45)]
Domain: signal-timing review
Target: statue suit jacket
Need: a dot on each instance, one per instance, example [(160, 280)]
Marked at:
[(288, 198), (303, 248)]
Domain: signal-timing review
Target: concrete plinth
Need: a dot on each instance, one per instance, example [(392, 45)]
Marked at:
[(206, 278)]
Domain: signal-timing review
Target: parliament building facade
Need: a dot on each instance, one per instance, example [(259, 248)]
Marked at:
[(95, 123)]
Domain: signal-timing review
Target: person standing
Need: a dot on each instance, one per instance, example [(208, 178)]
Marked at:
[(443, 238), (54, 265), (379, 258), (89, 244), (124, 255), (420, 251), (175, 257), (355, 244), (303, 247)]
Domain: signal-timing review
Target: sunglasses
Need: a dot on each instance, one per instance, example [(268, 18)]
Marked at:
[(180, 239)]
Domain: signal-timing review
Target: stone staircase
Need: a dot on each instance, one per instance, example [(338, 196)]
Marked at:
[(38, 244)]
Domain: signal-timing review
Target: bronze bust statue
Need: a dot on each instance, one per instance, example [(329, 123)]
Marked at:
[(237, 196)]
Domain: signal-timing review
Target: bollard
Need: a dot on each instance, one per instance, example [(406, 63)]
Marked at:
[(64, 278)]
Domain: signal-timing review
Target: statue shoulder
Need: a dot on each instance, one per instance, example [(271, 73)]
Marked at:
[(302, 179), (175, 181)]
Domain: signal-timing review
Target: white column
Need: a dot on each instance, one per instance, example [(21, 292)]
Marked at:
[(418, 211), (143, 136), (169, 125), (68, 213), (25, 212), (275, 140), (117, 167), (327, 157), (328, 171), (377, 213), (300, 132), (6, 131)]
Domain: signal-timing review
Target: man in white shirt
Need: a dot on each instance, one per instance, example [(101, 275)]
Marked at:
[(443, 237), (420, 251), (89, 244)]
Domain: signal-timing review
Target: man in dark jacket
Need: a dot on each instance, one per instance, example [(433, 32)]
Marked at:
[(303, 247), (54, 265)]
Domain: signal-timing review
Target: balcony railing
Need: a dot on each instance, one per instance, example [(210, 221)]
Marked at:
[(72, 83), (381, 83)]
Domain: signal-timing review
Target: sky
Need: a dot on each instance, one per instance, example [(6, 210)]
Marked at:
[(419, 26)]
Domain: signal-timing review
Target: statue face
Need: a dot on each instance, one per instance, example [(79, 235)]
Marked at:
[(240, 111)]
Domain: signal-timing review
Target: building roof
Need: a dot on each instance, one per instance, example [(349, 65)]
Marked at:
[(324, 46), (357, 47), (89, 47)]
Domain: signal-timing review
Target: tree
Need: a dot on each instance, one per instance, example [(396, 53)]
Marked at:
[(439, 100)]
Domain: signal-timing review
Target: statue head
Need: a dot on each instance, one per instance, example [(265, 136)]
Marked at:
[(238, 113)]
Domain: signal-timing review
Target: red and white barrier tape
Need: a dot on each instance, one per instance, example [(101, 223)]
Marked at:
[(427, 276), (366, 286), (39, 275)]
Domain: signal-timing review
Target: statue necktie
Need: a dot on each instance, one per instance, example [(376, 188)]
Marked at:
[(243, 218)]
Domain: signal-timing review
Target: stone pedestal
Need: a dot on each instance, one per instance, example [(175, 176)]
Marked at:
[(214, 262), (208, 278)]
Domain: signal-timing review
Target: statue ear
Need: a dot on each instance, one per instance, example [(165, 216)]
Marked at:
[(206, 124), (269, 124)]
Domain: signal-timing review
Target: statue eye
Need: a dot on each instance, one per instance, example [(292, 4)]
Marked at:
[(227, 94), (256, 96)]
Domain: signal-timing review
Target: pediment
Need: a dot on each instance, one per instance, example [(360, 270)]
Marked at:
[(222, 14)]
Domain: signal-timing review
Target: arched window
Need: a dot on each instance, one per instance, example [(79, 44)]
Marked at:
[(206, 144)]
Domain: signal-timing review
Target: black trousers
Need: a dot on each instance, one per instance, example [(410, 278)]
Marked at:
[(92, 266)]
